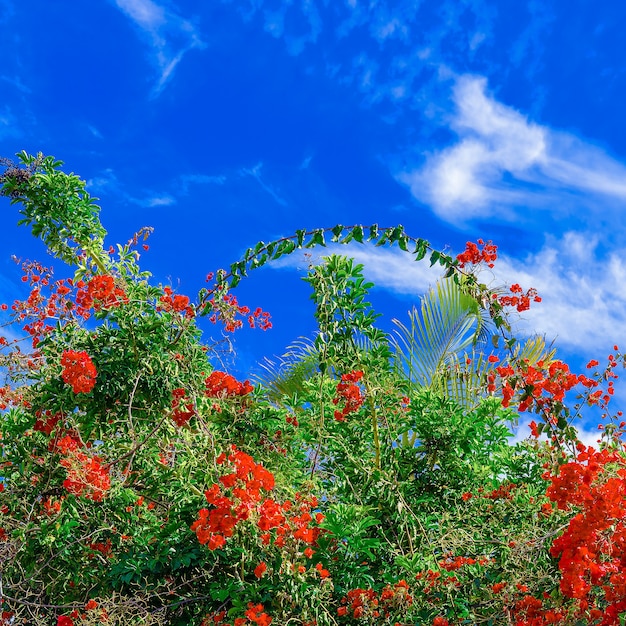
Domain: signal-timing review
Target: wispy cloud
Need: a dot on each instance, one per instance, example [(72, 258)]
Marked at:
[(312, 22), (156, 201), (170, 35), (255, 172), (16, 82), (94, 131), (199, 179), (107, 182), (8, 124), (502, 160), (588, 435)]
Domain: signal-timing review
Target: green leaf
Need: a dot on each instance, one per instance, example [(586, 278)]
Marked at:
[(317, 239), (435, 256), (336, 231), (357, 233)]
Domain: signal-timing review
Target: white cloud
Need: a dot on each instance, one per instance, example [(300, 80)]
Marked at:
[(502, 160), (588, 435), (157, 201), (583, 293), (94, 131), (387, 268), (170, 35)]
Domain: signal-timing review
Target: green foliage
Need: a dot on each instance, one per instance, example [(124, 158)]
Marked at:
[(387, 458), (57, 207)]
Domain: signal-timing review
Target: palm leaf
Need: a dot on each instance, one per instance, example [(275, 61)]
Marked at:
[(285, 376), (447, 324)]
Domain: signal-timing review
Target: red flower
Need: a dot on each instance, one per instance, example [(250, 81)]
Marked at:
[(78, 371), (182, 412), (260, 569), (103, 292), (350, 393), (176, 303), (86, 476), (255, 614), (473, 255), (222, 385)]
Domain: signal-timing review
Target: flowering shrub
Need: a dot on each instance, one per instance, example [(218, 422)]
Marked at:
[(139, 484)]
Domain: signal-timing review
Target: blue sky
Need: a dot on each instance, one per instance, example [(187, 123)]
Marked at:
[(223, 123)]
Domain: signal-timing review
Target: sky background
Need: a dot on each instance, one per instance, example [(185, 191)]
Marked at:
[(227, 122)]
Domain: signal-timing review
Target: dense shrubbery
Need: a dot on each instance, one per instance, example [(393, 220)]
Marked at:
[(369, 480)]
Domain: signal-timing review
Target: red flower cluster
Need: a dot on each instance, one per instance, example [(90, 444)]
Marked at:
[(350, 393), (247, 480), (78, 371), (519, 299), (367, 604), (175, 303), (530, 611), (91, 607), (222, 385), (99, 293), (452, 563), (46, 421), (473, 255), (246, 501), (86, 476), (227, 309), (182, 411), (255, 615), (592, 550), (503, 492), (540, 386)]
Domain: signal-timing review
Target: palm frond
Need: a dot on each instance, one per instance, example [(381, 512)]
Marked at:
[(535, 349), (285, 376), (448, 323)]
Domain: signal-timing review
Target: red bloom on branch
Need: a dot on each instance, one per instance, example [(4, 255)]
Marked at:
[(176, 303), (182, 411), (101, 293), (350, 393), (86, 476), (256, 614), (520, 300), (78, 371), (474, 255), (223, 385)]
